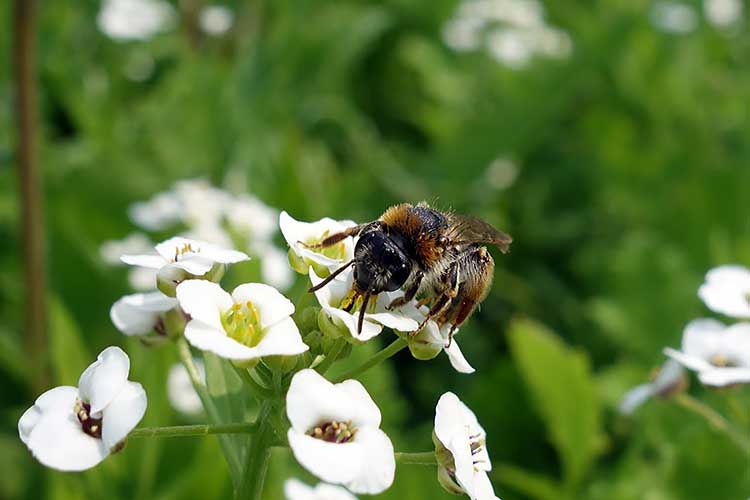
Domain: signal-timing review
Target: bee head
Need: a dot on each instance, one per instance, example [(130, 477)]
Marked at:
[(381, 264)]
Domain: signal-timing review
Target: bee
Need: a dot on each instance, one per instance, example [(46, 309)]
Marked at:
[(421, 250)]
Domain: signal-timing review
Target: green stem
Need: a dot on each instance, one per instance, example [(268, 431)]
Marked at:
[(423, 458), (381, 356), (256, 459), (324, 365), (256, 387), (714, 419), (193, 430), (186, 357)]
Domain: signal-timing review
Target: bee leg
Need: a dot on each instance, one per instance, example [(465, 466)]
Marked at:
[(336, 237), (478, 268), (444, 299), (410, 292)]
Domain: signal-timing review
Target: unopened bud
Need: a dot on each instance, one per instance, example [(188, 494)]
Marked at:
[(169, 277)]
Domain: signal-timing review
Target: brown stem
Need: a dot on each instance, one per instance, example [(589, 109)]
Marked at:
[(24, 59)]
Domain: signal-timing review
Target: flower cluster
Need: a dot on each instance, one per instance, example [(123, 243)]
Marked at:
[(332, 425), (718, 353)]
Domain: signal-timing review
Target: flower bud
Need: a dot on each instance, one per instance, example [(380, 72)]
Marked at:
[(245, 363), (282, 364), (330, 327), (169, 277), (313, 340), (174, 323), (421, 347), (308, 320), (215, 273), (296, 262)]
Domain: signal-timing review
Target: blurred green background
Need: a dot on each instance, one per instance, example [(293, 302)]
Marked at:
[(611, 138)]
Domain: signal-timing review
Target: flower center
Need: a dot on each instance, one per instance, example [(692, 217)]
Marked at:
[(242, 323), (184, 249), (334, 432), (352, 301), (90, 425), (722, 361)]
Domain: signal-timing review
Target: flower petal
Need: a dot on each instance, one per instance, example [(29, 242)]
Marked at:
[(701, 337), (138, 313), (334, 292), (726, 291), (692, 362), (123, 414), (376, 475), (103, 380), (365, 412), (58, 441), (635, 397), (483, 489), (394, 320), (204, 301), (736, 343), (271, 305), (209, 338), (149, 261), (457, 359), (334, 463), (60, 399), (295, 232), (350, 322), (282, 338), (720, 377), (196, 265)]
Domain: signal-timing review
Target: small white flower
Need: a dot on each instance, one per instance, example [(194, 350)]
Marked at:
[(216, 19), (299, 234), (335, 433), (134, 243), (334, 297), (463, 461), (253, 219), (670, 376), (727, 291), (201, 203), (134, 19), (140, 313), (74, 429), (158, 213), (719, 354), (297, 490), (432, 339), (193, 256), (253, 322), (274, 267), (180, 391)]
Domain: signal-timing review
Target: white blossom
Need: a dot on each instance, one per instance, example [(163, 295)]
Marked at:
[(463, 461), (334, 296), (180, 390), (299, 235), (74, 429), (719, 354), (254, 321), (335, 433), (134, 243), (727, 291), (193, 256), (216, 19), (134, 19), (723, 13), (670, 376), (297, 490), (433, 339), (140, 313)]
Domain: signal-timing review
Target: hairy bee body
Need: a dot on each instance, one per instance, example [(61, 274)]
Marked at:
[(421, 250)]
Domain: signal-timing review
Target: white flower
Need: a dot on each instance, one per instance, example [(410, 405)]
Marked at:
[(157, 214), (180, 391), (298, 234), (463, 461), (432, 339), (720, 354), (253, 219), (216, 19), (253, 322), (73, 429), (111, 250), (193, 256), (140, 313), (335, 433), (727, 291), (274, 267), (336, 295), (297, 490), (134, 19), (670, 377), (723, 13)]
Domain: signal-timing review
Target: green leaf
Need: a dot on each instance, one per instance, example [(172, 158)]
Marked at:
[(564, 393), (530, 484), (68, 352)]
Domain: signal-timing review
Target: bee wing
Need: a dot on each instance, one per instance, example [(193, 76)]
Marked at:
[(469, 229)]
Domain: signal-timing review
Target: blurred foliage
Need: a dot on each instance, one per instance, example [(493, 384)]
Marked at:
[(623, 173)]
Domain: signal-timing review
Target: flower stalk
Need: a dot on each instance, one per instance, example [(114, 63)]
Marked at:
[(256, 459), (393, 348), (421, 458), (714, 419), (193, 430)]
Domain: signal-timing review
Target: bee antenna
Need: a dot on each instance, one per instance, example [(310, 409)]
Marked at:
[(330, 277), (362, 311)]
